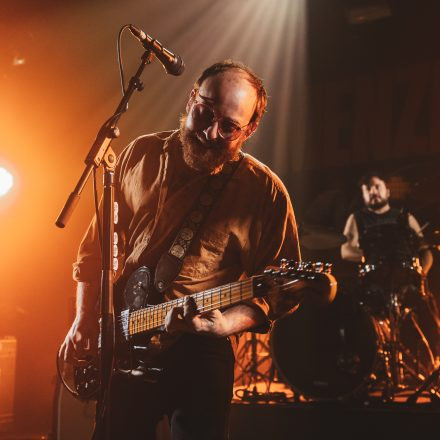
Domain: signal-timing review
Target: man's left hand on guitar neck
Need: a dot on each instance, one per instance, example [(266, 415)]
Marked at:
[(213, 323)]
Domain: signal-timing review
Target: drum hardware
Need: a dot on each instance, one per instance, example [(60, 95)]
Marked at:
[(391, 290), (401, 367), (431, 384), (344, 352), (327, 353), (254, 365), (251, 356)]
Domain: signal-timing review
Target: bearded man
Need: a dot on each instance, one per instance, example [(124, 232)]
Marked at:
[(162, 183), (388, 242), (366, 229)]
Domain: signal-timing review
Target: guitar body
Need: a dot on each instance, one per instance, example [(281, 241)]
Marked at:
[(132, 294), (140, 316), (133, 355)]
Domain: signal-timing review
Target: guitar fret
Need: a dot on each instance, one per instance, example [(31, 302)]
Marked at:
[(154, 316)]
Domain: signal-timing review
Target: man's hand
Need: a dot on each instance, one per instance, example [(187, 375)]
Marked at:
[(187, 319), (81, 341)]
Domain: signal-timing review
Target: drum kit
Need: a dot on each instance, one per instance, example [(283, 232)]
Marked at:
[(378, 340)]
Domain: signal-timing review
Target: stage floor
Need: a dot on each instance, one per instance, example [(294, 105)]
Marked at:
[(277, 415), (274, 414)]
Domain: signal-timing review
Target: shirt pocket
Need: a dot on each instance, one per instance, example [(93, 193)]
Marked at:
[(206, 254)]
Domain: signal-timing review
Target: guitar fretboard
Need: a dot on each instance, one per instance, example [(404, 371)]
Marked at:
[(153, 317)]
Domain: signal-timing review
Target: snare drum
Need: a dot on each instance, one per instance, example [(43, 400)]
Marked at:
[(328, 352), (379, 280)]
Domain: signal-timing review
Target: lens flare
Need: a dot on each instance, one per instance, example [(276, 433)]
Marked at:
[(6, 181)]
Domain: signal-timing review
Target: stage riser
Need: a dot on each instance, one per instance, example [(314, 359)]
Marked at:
[(315, 422), (305, 421)]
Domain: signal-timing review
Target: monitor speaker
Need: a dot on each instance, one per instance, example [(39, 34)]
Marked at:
[(73, 419), (8, 349)]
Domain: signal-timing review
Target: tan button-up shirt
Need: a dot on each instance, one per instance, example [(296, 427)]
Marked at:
[(251, 225)]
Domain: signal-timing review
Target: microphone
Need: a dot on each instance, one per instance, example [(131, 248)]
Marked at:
[(171, 62)]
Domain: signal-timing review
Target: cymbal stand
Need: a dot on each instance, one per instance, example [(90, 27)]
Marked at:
[(250, 360), (392, 353), (396, 367), (431, 385), (247, 360)]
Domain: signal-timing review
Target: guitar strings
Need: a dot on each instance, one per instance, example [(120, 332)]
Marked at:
[(160, 311), (153, 316), (200, 296)]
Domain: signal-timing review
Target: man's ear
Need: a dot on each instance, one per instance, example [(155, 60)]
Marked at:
[(191, 98), (250, 129)]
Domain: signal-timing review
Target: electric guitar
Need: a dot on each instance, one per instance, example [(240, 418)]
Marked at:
[(139, 322)]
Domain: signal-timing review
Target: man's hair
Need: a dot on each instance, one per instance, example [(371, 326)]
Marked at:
[(256, 82), (365, 179)]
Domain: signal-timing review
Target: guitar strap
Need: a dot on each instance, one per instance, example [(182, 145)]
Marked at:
[(170, 263)]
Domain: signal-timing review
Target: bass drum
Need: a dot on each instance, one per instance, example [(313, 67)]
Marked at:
[(327, 352)]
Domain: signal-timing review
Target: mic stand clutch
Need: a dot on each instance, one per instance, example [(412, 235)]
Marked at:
[(102, 154)]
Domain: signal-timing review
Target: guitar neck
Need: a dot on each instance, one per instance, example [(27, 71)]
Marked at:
[(153, 317)]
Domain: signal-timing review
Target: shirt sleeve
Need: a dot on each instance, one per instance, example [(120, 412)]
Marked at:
[(276, 237), (87, 266), (275, 232)]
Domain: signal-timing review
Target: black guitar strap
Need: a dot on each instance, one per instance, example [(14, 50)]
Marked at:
[(170, 263)]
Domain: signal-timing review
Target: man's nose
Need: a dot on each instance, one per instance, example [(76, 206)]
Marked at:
[(211, 132)]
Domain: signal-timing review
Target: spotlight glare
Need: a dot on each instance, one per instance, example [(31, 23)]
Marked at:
[(6, 181)]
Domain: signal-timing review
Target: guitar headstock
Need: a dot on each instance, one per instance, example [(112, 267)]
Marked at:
[(295, 281), (306, 266), (298, 268)]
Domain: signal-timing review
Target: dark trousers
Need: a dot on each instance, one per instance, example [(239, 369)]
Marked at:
[(194, 391)]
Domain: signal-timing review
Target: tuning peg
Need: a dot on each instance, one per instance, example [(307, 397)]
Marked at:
[(308, 265), (318, 266)]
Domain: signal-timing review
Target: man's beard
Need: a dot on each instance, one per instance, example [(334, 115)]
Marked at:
[(376, 204), (207, 156)]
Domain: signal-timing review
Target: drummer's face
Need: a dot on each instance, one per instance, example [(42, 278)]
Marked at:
[(375, 194)]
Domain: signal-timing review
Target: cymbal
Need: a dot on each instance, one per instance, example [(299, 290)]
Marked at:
[(315, 237)]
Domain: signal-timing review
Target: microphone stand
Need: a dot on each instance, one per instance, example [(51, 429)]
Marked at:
[(102, 154)]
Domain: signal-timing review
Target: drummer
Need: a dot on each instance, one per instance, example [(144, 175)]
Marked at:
[(384, 238), (377, 218)]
